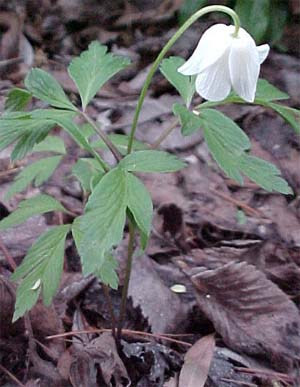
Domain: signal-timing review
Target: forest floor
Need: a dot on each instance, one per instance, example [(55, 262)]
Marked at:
[(234, 249)]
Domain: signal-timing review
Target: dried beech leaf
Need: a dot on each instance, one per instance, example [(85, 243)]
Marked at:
[(250, 312), (197, 362)]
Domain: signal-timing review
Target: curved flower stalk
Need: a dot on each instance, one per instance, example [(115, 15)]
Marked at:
[(223, 60)]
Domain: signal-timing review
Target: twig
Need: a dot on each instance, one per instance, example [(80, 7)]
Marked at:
[(9, 172), (273, 374), (239, 383), (8, 256), (17, 381), (6, 62), (127, 279), (251, 211), (124, 332), (164, 135)]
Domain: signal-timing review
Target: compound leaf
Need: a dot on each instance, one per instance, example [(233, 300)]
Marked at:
[(140, 205), (51, 144), (225, 130), (93, 68), (185, 85), (17, 99), (39, 204), (265, 174), (86, 170), (28, 139), (37, 172), (290, 115), (267, 92), (40, 270), (189, 121), (102, 224), (43, 86), (107, 272), (151, 161)]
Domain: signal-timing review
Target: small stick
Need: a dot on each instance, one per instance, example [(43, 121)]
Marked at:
[(124, 331), (251, 211), (239, 383), (273, 374), (9, 172), (11, 61), (17, 381), (164, 135), (8, 256)]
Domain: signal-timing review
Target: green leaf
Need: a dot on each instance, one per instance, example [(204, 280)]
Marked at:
[(17, 99), (228, 143), (290, 115), (121, 142), (40, 270), (189, 121), (140, 205), (39, 204), (51, 144), (222, 154), (185, 85), (14, 126), (189, 7), (93, 68), (27, 140), (151, 161), (265, 174), (43, 86), (107, 272), (255, 17), (267, 92), (103, 223), (85, 170), (232, 137), (37, 172)]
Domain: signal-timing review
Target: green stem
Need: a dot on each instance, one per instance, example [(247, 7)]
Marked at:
[(169, 44), (102, 135), (127, 278)]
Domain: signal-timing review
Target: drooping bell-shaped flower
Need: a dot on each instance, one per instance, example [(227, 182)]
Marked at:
[(223, 61)]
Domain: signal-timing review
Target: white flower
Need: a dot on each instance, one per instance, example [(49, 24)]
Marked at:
[(222, 61)]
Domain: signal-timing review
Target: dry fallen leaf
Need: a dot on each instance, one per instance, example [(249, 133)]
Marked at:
[(197, 362), (251, 313), (162, 307)]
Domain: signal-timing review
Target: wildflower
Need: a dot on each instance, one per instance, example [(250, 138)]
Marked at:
[(223, 61)]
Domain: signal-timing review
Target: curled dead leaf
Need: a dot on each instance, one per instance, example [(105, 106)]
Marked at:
[(252, 314)]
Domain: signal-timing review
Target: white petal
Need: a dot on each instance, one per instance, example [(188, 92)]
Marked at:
[(213, 83), (244, 65), (211, 47), (263, 52)]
